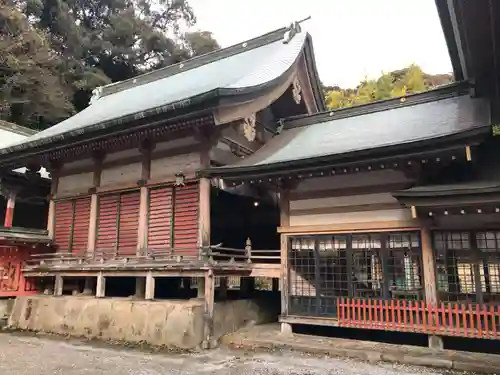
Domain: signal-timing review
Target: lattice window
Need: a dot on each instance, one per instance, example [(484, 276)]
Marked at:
[(380, 265), (468, 265), (403, 267)]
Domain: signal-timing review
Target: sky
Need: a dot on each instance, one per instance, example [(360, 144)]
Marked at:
[(352, 39)]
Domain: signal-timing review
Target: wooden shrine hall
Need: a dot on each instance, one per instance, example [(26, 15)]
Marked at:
[(125, 201)]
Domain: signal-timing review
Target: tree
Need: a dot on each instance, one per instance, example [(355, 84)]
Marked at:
[(398, 83), (200, 42), (97, 42), (32, 90)]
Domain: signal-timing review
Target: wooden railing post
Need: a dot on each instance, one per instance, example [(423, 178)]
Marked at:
[(248, 250), (431, 294)]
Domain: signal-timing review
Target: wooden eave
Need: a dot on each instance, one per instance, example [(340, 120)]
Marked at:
[(402, 156)]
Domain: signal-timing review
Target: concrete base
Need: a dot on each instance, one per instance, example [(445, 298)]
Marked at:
[(286, 329), (5, 309), (169, 323), (436, 342)]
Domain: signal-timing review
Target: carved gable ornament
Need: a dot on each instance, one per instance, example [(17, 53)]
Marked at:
[(296, 90), (249, 128)]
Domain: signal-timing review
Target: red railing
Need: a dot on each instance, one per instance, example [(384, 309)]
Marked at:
[(448, 319)]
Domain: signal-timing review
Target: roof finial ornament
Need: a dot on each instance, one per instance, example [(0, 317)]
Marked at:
[(96, 94), (293, 30)]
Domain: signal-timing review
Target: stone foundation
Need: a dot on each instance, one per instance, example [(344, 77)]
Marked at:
[(5, 309), (169, 323)]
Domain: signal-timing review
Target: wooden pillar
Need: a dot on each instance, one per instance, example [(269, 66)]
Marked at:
[(101, 286), (9, 212), (142, 232), (58, 286), (209, 342), (204, 211), (51, 220), (150, 286), (92, 224), (284, 204), (87, 289), (429, 268)]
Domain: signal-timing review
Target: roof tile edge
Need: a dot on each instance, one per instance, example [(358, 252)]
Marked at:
[(194, 62), (442, 92)]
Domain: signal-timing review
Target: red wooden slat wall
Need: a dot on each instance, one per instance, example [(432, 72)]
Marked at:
[(72, 225), (63, 224), (160, 218), (107, 232), (129, 223), (186, 209), (81, 226)]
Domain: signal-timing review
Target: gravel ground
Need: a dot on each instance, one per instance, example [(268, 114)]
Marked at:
[(26, 355)]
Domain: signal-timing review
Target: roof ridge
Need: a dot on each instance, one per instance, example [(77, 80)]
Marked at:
[(438, 93), (17, 129), (194, 62)]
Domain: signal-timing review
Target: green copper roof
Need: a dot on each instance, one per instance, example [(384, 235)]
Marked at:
[(243, 68)]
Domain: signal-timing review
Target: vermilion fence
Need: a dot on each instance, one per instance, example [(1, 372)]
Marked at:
[(448, 319)]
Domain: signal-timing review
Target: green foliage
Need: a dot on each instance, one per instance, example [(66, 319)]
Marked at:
[(93, 43), (389, 85), (31, 86)]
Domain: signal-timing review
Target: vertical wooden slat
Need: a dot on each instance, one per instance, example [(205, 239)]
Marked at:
[(160, 218), (81, 221), (107, 234), (63, 225), (128, 223), (186, 212)]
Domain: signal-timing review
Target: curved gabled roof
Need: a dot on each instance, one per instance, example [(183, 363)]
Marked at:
[(241, 69), (362, 132)]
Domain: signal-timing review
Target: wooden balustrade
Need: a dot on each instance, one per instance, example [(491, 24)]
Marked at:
[(212, 254), (447, 319)]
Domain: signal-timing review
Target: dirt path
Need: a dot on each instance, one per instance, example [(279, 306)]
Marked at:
[(24, 355)]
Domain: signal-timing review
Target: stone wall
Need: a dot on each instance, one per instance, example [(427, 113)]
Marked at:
[(170, 323), (5, 309)]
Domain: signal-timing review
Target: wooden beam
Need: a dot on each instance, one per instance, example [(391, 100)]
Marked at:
[(468, 154), (9, 212), (413, 212), (376, 226)]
